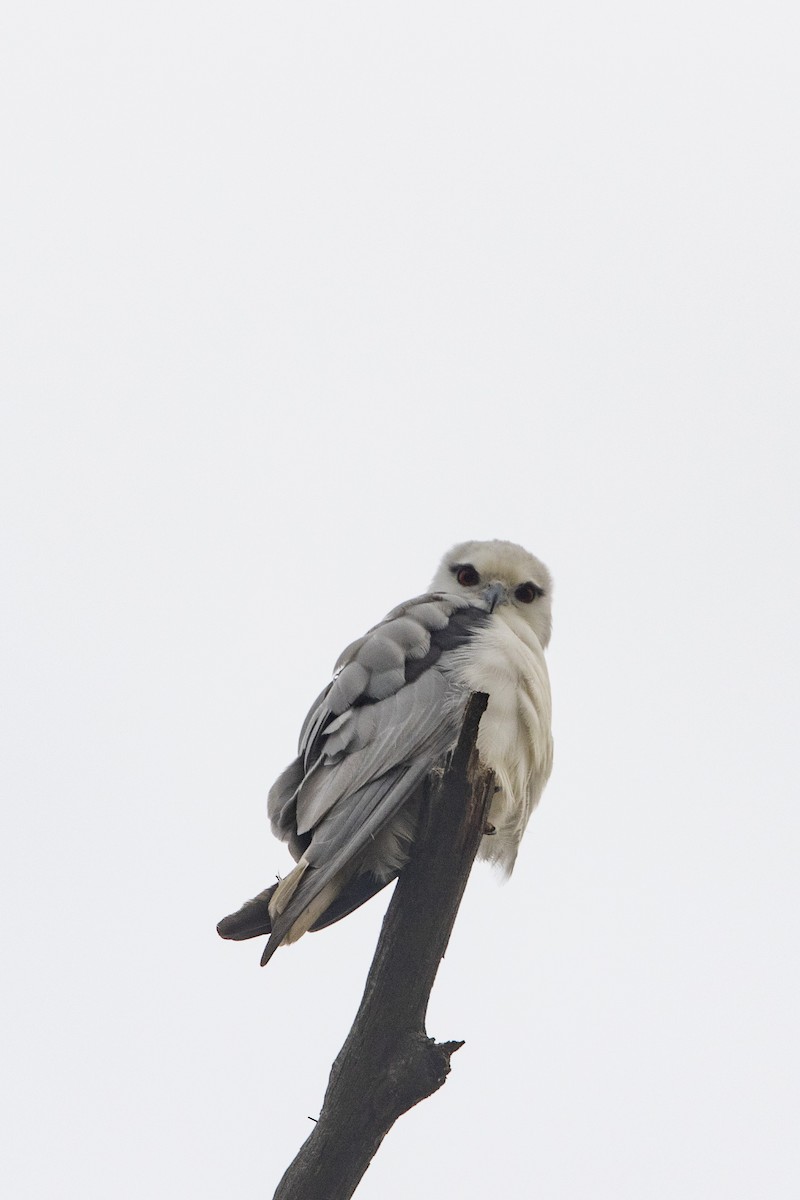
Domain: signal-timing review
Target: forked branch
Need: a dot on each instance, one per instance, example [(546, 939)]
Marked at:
[(388, 1063)]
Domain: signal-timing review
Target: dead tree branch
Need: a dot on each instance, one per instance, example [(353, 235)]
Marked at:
[(388, 1063)]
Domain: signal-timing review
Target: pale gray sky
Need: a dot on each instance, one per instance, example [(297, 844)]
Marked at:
[(296, 296)]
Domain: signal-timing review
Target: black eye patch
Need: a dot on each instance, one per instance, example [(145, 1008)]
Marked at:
[(526, 593), (466, 574)]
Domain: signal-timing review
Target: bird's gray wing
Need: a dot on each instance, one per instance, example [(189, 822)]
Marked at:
[(386, 720), (381, 707)]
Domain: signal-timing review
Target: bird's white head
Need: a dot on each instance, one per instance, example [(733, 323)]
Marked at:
[(502, 577)]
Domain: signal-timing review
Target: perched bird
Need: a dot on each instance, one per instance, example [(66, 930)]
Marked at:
[(349, 803)]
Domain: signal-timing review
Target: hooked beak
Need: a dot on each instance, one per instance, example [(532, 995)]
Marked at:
[(495, 594)]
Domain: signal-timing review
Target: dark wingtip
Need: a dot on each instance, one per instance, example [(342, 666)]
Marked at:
[(251, 920), (227, 927), (269, 950)]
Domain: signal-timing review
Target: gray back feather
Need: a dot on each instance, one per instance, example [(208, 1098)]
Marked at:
[(388, 717)]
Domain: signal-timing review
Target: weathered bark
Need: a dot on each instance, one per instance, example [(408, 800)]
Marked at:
[(388, 1063)]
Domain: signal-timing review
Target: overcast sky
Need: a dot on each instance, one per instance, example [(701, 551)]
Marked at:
[(295, 297)]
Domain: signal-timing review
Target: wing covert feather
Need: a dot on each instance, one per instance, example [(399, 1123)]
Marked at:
[(386, 719), (369, 741)]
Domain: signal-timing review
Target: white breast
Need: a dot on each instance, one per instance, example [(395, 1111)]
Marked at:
[(506, 661)]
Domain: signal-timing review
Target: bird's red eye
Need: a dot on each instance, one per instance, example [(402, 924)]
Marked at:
[(467, 576), (526, 593)]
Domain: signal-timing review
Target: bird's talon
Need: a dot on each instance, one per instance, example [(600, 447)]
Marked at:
[(488, 830)]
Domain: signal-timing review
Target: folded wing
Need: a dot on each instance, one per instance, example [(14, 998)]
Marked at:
[(386, 720)]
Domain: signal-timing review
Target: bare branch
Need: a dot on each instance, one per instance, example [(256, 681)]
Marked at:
[(388, 1063)]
